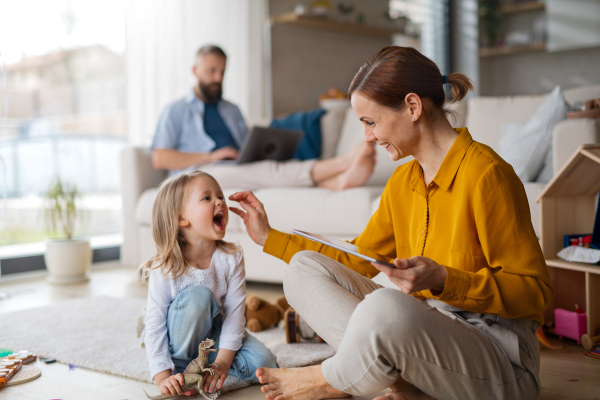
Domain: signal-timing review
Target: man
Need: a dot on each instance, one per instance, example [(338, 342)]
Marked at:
[(197, 131)]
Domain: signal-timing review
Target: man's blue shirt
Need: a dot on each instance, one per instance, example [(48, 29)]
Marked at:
[(181, 126), (215, 127)]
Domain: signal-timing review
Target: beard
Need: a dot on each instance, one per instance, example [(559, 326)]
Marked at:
[(212, 92)]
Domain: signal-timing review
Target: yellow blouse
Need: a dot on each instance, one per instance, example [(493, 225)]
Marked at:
[(472, 218)]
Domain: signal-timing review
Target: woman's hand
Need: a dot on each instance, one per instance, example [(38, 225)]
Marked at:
[(221, 367), (415, 274), (255, 217), (170, 384)]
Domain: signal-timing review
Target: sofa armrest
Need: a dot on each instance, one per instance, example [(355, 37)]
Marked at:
[(137, 175), (569, 134)]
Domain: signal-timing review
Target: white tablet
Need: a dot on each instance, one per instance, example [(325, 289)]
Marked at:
[(346, 248)]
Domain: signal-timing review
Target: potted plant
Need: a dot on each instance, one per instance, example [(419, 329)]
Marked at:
[(67, 259)]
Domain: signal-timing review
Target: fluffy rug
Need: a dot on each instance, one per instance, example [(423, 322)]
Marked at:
[(99, 333)]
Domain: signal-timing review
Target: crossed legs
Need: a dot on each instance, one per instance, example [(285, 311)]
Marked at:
[(385, 338)]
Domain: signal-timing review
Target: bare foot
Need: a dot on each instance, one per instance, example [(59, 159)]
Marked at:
[(296, 384), (359, 162), (410, 394), (358, 151), (361, 167)]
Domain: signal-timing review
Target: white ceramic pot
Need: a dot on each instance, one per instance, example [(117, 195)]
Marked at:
[(68, 261)]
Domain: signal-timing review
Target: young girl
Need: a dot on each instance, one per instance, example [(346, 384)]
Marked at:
[(197, 288)]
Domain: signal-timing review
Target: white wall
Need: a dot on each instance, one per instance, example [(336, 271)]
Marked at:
[(162, 39)]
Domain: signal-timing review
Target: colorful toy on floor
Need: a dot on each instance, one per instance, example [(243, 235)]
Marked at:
[(569, 324), (595, 353), (12, 371), (73, 366), (25, 356), (260, 314), (544, 340), (5, 352), (26, 374)]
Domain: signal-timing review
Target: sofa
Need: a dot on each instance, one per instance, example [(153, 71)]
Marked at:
[(342, 214)]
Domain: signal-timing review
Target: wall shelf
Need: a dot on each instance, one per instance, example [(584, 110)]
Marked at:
[(573, 266), (332, 25), (522, 7), (508, 50)]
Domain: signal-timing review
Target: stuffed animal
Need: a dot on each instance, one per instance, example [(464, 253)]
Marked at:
[(261, 314)]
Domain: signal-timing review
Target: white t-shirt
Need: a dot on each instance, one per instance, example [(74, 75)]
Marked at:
[(225, 278)]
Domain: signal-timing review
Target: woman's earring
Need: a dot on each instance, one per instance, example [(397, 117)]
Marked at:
[(413, 118)]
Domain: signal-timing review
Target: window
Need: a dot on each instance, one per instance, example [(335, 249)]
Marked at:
[(63, 112)]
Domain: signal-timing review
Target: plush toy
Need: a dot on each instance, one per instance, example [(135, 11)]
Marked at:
[(261, 314)]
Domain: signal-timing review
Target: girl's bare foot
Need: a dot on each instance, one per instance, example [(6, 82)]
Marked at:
[(296, 384), (411, 394)]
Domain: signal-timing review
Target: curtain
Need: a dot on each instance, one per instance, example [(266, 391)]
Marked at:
[(162, 38)]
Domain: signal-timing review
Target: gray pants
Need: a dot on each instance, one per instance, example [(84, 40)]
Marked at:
[(261, 174), (381, 334)]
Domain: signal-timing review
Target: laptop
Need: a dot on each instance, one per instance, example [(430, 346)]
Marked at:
[(268, 144)]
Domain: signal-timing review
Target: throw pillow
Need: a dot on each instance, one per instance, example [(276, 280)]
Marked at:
[(525, 146), (310, 123)]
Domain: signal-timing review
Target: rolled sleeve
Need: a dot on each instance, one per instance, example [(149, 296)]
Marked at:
[(167, 129)]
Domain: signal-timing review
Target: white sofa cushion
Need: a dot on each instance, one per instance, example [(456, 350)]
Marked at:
[(331, 125), (525, 146), (319, 210), (486, 115), (353, 133)]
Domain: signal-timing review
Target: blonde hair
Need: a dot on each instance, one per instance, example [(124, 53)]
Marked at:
[(170, 244)]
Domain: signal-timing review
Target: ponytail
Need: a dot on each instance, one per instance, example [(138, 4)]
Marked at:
[(461, 85)]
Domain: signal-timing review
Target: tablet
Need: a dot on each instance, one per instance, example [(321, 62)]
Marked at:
[(346, 248)]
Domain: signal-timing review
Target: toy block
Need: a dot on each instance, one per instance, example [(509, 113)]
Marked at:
[(26, 357), (6, 374), (13, 364)]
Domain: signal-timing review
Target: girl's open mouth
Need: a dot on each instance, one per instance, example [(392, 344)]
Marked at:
[(219, 220)]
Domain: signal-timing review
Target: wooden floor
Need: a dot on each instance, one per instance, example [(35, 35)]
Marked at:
[(565, 374)]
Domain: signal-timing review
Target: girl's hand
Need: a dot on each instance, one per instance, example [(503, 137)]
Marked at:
[(415, 274), (255, 217), (172, 385), (215, 382)]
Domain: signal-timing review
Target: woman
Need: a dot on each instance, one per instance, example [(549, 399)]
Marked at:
[(472, 278)]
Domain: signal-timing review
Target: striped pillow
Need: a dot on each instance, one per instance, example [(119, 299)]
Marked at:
[(525, 145)]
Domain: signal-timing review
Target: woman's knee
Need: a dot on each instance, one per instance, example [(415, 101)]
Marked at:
[(387, 310), (300, 268), (307, 265)]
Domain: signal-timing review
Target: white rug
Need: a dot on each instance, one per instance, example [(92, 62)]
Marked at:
[(99, 333)]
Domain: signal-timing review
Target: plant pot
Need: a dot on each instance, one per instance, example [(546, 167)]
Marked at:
[(68, 261)]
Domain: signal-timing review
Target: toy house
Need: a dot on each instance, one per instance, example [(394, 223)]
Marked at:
[(568, 205)]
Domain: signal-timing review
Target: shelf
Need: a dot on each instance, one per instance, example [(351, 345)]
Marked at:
[(331, 25), (508, 50), (573, 266), (522, 7)]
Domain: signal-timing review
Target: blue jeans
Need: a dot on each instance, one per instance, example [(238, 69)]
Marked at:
[(194, 316)]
